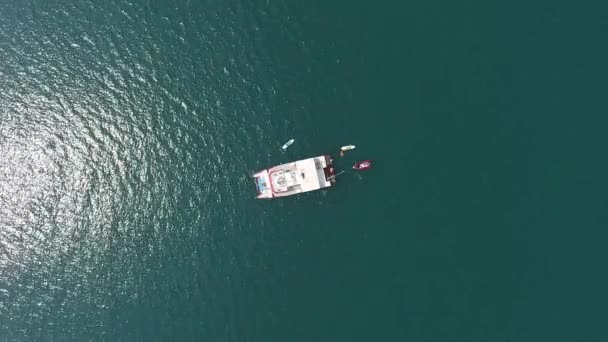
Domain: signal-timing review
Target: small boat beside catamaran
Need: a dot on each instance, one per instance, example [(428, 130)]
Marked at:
[(362, 165)]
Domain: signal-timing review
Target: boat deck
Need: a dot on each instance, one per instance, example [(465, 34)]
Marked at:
[(296, 177)]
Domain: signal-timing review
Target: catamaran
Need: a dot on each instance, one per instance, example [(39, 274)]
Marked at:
[(294, 178)]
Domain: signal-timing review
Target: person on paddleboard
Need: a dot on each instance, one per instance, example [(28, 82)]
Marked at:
[(345, 148)]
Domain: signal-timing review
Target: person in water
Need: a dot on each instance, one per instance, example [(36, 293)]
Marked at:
[(341, 153)]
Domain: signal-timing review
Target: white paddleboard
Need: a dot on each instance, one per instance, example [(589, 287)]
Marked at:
[(287, 144), (347, 147)]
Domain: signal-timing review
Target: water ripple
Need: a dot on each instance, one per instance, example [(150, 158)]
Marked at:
[(124, 133)]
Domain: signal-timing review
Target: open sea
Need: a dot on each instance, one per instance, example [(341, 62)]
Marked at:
[(129, 131)]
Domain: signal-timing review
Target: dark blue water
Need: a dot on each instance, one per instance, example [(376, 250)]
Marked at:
[(129, 131)]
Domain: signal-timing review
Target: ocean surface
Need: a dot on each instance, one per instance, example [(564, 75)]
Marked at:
[(129, 131)]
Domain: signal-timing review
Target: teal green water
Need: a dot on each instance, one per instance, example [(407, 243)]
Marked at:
[(129, 130)]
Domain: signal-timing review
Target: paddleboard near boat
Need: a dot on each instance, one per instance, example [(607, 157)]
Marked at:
[(347, 147), (287, 144)]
